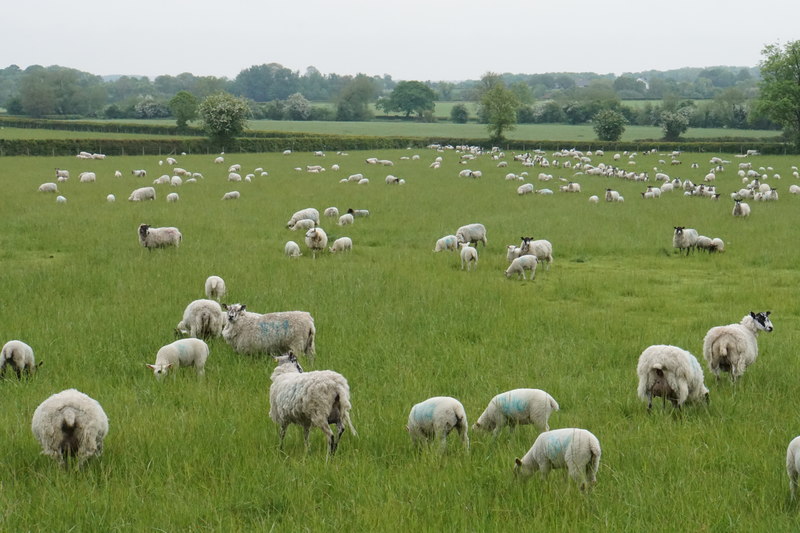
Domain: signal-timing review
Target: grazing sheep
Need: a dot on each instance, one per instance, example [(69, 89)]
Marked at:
[(358, 212), (734, 347), (671, 373), (215, 288), (435, 418), (70, 424), (542, 249), (740, 209), (342, 244), (61, 199), (345, 219), (521, 264), (60, 173), (172, 197), (48, 187), (577, 450), (232, 195), (175, 181), (331, 212), (316, 240), (111, 198), (684, 239), (304, 214), (526, 188), (150, 237), (518, 406), (139, 173), (87, 177), (717, 245), (291, 249), (448, 242), (593, 199), (202, 319), (317, 399), (793, 465), (469, 256), (472, 234), (141, 194), (19, 356), (183, 352), (272, 333)]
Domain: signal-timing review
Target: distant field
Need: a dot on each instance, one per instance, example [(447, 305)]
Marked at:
[(30, 133)]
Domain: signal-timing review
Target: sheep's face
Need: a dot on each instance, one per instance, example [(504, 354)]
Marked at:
[(143, 230), (234, 311), (762, 320), (160, 369), (289, 359)]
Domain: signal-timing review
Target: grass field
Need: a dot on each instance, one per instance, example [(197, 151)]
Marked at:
[(402, 324)]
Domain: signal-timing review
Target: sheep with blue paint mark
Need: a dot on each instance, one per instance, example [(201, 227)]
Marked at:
[(435, 418), (515, 407), (183, 352), (271, 333), (577, 450), (448, 242)]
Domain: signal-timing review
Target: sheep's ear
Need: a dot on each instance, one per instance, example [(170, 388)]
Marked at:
[(150, 366), (752, 314), (40, 363), (169, 365), (517, 461), (224, 306), (243, 307), (768, 313)]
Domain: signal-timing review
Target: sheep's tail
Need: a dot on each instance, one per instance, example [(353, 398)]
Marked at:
[(346, 420), (68, 418), (343, 396), (553, 403), (310, 348)]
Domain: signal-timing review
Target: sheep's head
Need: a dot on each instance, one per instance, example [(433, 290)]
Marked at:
[(289, 359), (160, 369), (143, 230), (762, 320), (234, 311)]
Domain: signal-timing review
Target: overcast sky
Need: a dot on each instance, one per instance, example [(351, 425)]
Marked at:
[(407, 39)]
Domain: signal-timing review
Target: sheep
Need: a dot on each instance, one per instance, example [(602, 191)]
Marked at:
[(202, 319), (358, 212), (159, 237), (684, 239), (215, 288), (172, 197), (183, 352), (435, 418), (175, 181), (448, 242), (141, 194), (576, 449), (740, 209), (87, 177), (111, 198), (671, 373), (704, 243), (48, 187), (317, 398), (162, 180), (734, 347), (291, 249), (60, 173), (518, 406), (544, 192), (469, 256), (542, 249), (331, 212), (61, 199), (472, 233), (521, 264), (316, 240), (573, 187), (512, 252), (233, 176), (308, 213), (342, 244), (793, 465), (304, 224), (235, 168), (717, 245), (139, 173), (612, 196), (272, 333), (70, 424), (794, 189), (231, 195), (526, 188), (593, 199), (345, 219), (19, 356)]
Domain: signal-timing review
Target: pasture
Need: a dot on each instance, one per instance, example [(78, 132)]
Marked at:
[(402, 324)]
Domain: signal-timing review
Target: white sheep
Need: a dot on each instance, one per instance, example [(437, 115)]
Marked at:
[(518, 406), (684, 239), (48, 187), (472, 233), (183, 352), (435, 418), (291, 249), (159, 237), (215, 288), (271, 333), (612, 196), (202, 319), (345, 219), (541, 248), (231, 195), (577, 450), (219, 159), (139, 173), (342, 244), (331, 212), (175, 181), (111, 198), (173, 197), (521, 264), (593, 199), (61, 199), (19, 356), (469, 256), (316, 240), (740, 209), (526, 188), (512, 252), (70, 424), (734, 347), (793, 465), (717, 245), (309, 399), (141, 194), (671, 373), (233, 176), (87, 177), (308, 213), (448, 242)]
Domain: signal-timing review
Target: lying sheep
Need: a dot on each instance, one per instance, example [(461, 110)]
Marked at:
[(215, 288), (308, 213), (316, 240), (435, 418), (232, 195), (542, 249), (734, 347), (271, 333), (202, 319), (469, 256), (141, 194), (521, 264), (518, 406), (317, 399), (576, 449), (183, 352), (671, 373), (684, 239), (358, 212), (19, 356), (291, 249), (70, 424), (793, 465), (342, 244), (159, 237), (472, 234), (448, 242)]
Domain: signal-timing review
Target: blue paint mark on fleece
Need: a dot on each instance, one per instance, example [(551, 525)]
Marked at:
[(510, 405), (181, 349), (274, 329), (423, 411), (555, 446)]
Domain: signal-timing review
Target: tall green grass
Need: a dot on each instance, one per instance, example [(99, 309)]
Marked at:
[(402, 324)]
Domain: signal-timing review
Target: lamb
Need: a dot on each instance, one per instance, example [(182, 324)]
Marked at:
[(202, 319), (318, 399), (593, 199), (741, 209), (345, 219), (684, 239), (139, 173), (172, 197), (61, 199), (717, 245), (435, 418), (219, 159), (141, 194), (70, 424), (472, 233), (48, 187), (469, 256), (342, 244), (448, 242), (734, 347), (291, 249), (512, 252), (19, 356), (215, 288), (183, 352), (521, 264), (316, 240), (331, 212), (671, 373), (518, 406), (111, 198), (793, 465), (542, 249), (309, 213), (231, 195), (272, 333), (576, 449), (150, 237)]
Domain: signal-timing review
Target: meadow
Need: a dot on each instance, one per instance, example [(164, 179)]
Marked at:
[(402, 324)]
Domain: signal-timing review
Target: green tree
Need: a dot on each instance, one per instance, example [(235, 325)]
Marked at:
[(297, 107), (183, 107), (498, 107), (780, 88), (224, 116), (410, 97), (445, 89), (609, 125), (674, 124), (354, 98), (459, 114)]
